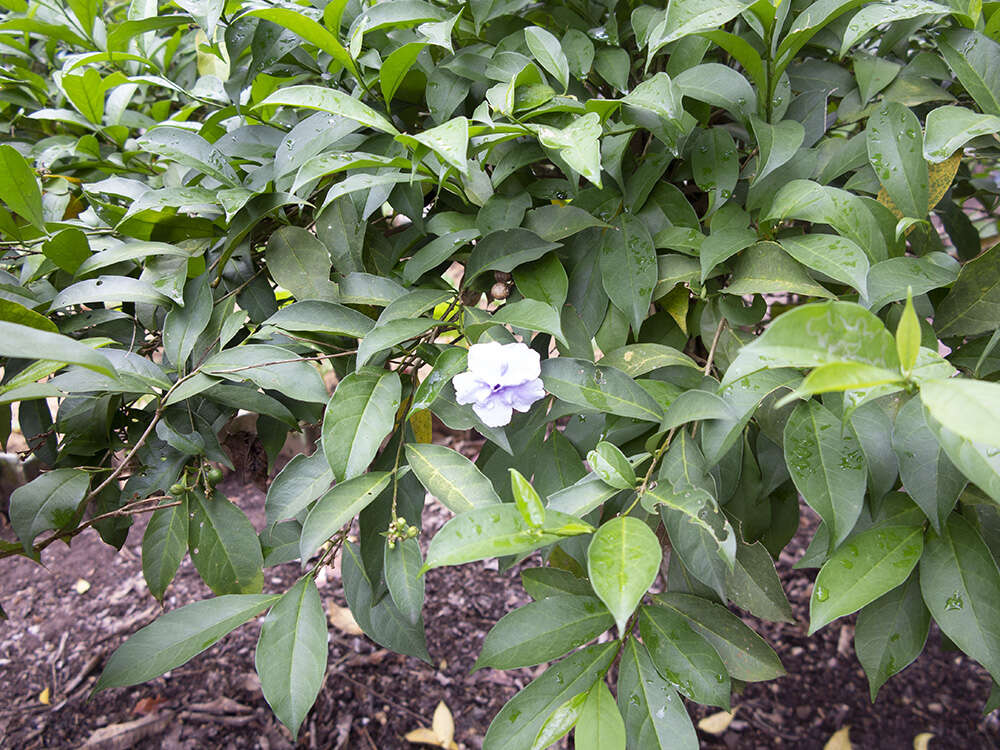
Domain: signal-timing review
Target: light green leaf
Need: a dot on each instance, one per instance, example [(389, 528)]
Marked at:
[(949, 128), (896, 153), (330, 100), (270, 367), (837, 257), (638, 359), (314, 316), (20, 188), (777, 143), (28, 342), (655, 716), (303, 480), (623, 560), (908, 337), (449, 140), (610, 464), (600, 726), (867, 566), (531, 315), (765, 268), (190, 150), (495, 531), (595, 387), (396, 66), (109, 290), (975, 59), (546, 49), (969, 408)]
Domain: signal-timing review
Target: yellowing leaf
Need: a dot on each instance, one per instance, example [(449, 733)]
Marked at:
[(841, 740), (676, 304), (940, 177), (443, 724), (342, 619), (922, 740), (422, 426), (442, 731), (44, 697), (81, 586), (717, 723)]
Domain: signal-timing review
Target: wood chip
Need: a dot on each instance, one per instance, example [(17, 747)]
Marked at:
[(127, 734)]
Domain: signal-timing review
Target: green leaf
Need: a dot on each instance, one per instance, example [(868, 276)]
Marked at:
[(844, 376), (47, 502), (109, 290), (746, 656), (949, 128), (969, 408), (545, 582), (527, 500), (686, 17), (531, 315), (777, 143), (301, 264), (715, 166), (543, 630), (974, 58), (863, 569), (979, 463), (224, 545), (837, 257), (164, 545), (67, 249), (623, 560), (546, 49), (396, 66), (450, 141), (765, 268), (960, 584), (557, 222), (13, 312), (655, 717), (868, 18), (890, 280), (176, 637), (401, 567), (720, 86), (721, 245), (190, 150), (339, 506), (638, 359), (544, 280), (908, 337), (754, 585), (504, 251), (818, 334), (577, 145), (973, 304), (28, 342), (436, 252), (610, 464), (329, 100), (595, 387), (292, 653), (303, 480), (684, 657), (629, 268), (600, 726), (560, 722), (271, 368), (452, 478), (895, 152), (314, 316), (891, 632), (360, 414), (386, 335), (308, 29), (521, 719), (827, 466), (20, 188), (495, 531), (183, 325)]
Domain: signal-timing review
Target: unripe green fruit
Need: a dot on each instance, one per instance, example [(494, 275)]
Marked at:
[(214, 475), (177, 489)]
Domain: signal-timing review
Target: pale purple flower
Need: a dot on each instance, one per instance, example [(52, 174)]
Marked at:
[(500, 379)]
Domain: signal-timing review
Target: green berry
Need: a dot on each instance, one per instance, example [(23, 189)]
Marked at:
[(214, 475), (177, 489)]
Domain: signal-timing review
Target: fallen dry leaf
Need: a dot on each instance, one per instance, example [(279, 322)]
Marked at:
[(148, 705), (841, 740), (342, 619), (717, 723), (922, 741), (44, 697), (442, 731)]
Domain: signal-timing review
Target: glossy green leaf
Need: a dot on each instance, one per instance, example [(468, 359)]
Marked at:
[(827, 466), (495, 531), (543, 630), (545, 48), (190, 150), (270, 367), (301, 264), (655, 716), (504, 251), (683, 657), (973, 303), (754, 585), (339, 506), (176, 637), (974, 59), (628, 268), (291, 653), (949, 128), (896, 153), (623, 560), (452, 478), (164, 545), (837, 257), (20, 188), (527, 500), (969, 408), (330, 100), (48, 502), (595, 387), (360, 414), (960, 584), (610, 464), (27, 342), (402, 568), (765, 268), (600, 724)]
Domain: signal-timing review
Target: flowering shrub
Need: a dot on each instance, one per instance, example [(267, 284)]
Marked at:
[(682, 265)]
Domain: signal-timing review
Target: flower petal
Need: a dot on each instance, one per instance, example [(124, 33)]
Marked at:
[(521, 364), (469, 388), (487, 361), (522, 396), (493, 411)]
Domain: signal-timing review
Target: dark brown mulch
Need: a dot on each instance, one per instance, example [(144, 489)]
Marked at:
[(58, 639)]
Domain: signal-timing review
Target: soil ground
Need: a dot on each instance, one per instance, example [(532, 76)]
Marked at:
[(58, 639)]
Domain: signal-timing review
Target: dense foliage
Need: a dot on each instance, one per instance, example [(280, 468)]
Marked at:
[(744, 238)]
